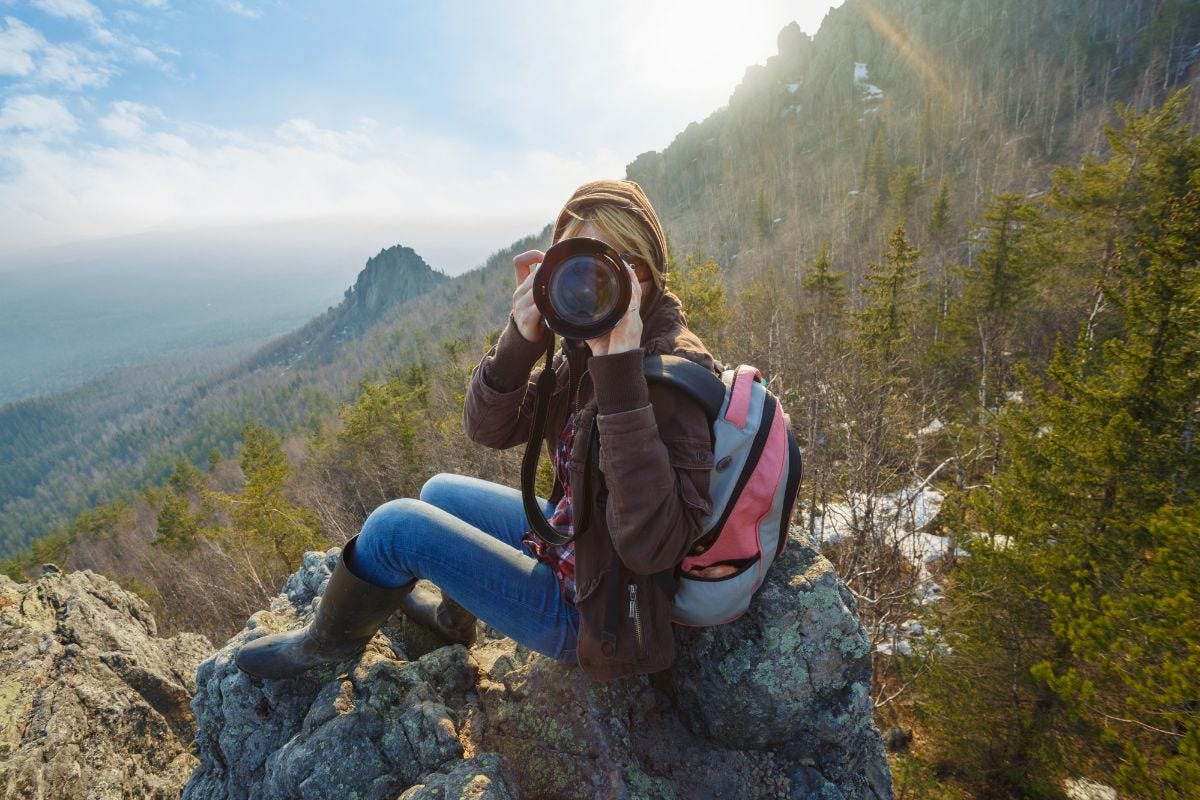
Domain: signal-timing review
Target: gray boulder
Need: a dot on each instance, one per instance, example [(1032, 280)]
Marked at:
[(774, 705), (568, 737), (372, 728), (792, 675), (92, 704), (485, 777)]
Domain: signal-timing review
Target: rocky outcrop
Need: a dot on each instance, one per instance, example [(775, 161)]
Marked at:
[(775, 705), (92, 704), (377, 728), (392, 277), (792, 676)]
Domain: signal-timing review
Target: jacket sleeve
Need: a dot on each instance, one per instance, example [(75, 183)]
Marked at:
[(500, 399), (655, 454)]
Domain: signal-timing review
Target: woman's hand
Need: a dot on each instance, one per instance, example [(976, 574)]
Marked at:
[(628, 333), (525, 311)]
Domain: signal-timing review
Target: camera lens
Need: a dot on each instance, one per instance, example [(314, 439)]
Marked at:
[(582, 291), (582, 288)]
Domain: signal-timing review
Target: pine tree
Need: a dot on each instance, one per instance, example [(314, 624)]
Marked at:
[(178, 528), (823, 288), (262, 515), (984, 324), (1082, 594), (185, 477), (762, 213), (700, 287), (877, 167), (903, 187), (819, 327), (890, 291), (939, 216)]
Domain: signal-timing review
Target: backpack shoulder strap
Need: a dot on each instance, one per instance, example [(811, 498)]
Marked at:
[(702, 385)]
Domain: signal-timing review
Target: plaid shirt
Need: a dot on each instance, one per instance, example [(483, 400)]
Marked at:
[(560, 558)]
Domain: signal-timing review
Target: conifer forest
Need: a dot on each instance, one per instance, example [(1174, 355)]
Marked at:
[(961, 240)]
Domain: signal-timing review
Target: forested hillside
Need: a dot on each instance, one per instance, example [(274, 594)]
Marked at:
[(961, 241), (893, 105), (108, 438)]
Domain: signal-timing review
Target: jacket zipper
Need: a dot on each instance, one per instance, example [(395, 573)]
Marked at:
[(635, 614)]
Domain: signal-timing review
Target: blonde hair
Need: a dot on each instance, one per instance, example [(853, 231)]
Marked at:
[(622, 228)]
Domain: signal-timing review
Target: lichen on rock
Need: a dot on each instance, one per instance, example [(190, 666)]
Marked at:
[(792, 675), (371, 728), (92, 703), (774, 705)]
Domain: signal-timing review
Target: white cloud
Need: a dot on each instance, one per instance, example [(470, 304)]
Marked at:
[(159, 175), (145, 55), (74, 67), (18, 42), (127, 120), (306, 132), (79, 10), (45, 117), (236, 7), (105, 37)]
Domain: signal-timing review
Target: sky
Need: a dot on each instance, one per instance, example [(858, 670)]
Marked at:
[(459, 126)]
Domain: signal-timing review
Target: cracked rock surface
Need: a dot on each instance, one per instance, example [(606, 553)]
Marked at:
[(774, 705), (793, 677), (92, 704), (376, 727)]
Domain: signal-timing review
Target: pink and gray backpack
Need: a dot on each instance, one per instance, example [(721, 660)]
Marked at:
[(755, 478)]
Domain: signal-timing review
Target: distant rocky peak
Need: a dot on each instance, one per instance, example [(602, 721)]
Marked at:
[(395, 275)]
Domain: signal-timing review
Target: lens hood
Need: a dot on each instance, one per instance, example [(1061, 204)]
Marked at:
[(582, 288)]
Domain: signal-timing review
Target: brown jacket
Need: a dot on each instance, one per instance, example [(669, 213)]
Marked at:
[(649, 489)]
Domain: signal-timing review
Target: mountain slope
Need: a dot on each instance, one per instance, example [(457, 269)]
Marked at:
[(104, 439), (837, 138)]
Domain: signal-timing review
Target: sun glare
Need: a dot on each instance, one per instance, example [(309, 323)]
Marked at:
[(704, 47)]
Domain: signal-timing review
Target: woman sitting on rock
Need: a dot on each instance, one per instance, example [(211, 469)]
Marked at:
[(631, 460)]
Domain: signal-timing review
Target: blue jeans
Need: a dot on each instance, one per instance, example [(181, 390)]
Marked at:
[(464, 535)]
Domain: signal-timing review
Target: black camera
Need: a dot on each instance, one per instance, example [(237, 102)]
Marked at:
[(582, 288)]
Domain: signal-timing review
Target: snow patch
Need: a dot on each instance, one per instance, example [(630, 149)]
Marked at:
[(1084, 789), (870, 91), (932, 428), (897, 647), (899, 516)]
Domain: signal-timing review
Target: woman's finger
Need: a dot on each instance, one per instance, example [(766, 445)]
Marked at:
[(523, 264), (525, 311), (635, 297)]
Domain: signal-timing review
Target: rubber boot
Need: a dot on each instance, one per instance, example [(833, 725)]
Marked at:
[(348, 616), (440, 614)]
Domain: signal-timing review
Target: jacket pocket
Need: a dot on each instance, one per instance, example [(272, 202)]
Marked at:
[(628, 618), (691, 459)]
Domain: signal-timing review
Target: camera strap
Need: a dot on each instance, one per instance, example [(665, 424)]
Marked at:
[(533, 511)]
